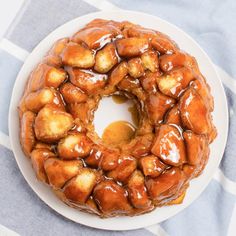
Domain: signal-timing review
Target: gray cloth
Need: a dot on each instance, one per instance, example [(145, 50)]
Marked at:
[(210, 23)]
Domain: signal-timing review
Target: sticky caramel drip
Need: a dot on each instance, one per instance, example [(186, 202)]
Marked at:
[(118, 132)]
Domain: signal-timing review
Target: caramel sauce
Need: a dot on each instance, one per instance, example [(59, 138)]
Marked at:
[(118, 132), (119, 99), (121, 132), (134, 114)]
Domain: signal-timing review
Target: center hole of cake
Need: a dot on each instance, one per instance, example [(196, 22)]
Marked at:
[(116, 119)]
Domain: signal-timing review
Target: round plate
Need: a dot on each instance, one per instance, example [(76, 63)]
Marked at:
[(220, 116)]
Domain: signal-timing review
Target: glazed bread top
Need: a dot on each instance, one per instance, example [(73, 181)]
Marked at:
[(171, 142)]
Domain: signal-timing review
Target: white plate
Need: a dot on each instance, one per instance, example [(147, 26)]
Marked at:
[(220, 116)]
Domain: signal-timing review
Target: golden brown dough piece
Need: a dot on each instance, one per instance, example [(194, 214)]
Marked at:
[(111, 198), (74, 145), (72, 94), (126, 166), (77, 55), (58, 47), (129, 84), (137, 191), (163, 44), (173, 83), (152, 166), (45, 76), (83, 111), (80, 187), (109, 159), (37, 100), (178, 59), (52, 124), (106, 58), (204, 91), (157, 105), (173, 117), (197, 149), (149, 81), (135, 67), (150, 61), (169, 145), (41, 145), (38, 156), (97, 34), (195, 114), (53, 56), (139, 146), (118, 73), (58, 171), (140, 32), (132, 47), (27, 136), (94, 157), (87, 81), (132, 85), (159, 41), (94, 37), (165, 185)]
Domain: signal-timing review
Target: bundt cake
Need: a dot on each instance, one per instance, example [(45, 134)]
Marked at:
[(171, 142)]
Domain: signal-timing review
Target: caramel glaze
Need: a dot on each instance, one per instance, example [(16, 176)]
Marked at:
[(134, 112), (121, 132), (119, 99), (130, 170), (118, 133)]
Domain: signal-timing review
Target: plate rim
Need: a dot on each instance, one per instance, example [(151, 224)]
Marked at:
[(11, 119)]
